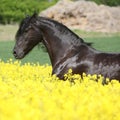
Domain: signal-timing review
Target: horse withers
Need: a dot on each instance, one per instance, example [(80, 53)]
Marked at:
[(66, 49)]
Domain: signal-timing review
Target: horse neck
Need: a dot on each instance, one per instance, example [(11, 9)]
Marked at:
[(58, 39)]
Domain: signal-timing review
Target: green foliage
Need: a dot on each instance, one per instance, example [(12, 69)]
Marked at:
[(107, 2), (15, 10)]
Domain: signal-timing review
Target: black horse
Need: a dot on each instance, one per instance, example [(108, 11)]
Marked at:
[(65, 48)]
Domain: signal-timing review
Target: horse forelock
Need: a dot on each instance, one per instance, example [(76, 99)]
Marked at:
[(23, 25)]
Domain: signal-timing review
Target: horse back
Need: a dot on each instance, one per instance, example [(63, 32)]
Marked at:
[(107, 65), (107, 58)]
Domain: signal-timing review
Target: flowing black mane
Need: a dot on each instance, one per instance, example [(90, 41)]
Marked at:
[(23, 25), (75, 39)]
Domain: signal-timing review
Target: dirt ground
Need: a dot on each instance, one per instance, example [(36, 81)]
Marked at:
[(7, 32)]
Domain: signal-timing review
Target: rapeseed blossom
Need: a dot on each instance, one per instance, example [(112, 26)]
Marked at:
[(29, 92)]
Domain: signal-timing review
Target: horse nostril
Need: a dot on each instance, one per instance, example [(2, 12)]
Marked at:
[(14, 53)]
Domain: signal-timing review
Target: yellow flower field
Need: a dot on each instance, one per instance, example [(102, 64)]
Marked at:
[(29, 92)]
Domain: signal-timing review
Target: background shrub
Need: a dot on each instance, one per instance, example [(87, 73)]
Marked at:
[(107, 2), (14, 10)]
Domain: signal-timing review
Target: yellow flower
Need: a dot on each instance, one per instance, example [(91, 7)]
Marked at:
[(29, 92)]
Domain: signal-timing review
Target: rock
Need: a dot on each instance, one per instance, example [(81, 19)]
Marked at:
[(85, 15)]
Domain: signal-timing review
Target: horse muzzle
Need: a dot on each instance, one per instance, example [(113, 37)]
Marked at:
[(18, 54)]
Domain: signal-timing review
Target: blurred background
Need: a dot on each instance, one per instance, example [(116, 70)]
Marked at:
[(96, 21)]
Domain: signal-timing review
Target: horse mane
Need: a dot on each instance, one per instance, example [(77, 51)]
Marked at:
[(24, 24), (63, 29)]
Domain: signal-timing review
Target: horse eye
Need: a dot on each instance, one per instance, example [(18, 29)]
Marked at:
[(26, 30)]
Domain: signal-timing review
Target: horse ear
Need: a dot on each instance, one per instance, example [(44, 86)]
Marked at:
[(27, 16), (34, 15)]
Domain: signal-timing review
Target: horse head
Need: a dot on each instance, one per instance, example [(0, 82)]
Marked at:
[(27, 36)]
